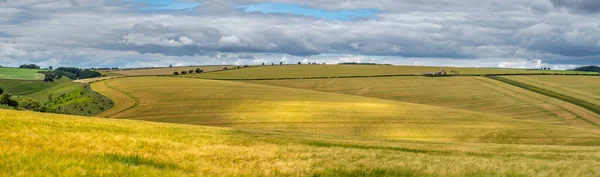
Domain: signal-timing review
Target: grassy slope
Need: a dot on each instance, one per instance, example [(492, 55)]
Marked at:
[(25, 87), (298, 71), (73, 102), (73, 98), (35, 144), (163, 71), (21, 74), (467, 93), (580, 87), (252, 106)]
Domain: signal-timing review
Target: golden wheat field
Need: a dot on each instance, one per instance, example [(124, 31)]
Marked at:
[(300, 71), (467, 93), (581, 87), (38, 144), (253, 106)]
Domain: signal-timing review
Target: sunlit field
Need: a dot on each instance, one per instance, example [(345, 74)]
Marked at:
[(162, 71), (37, 144), (20, 74), (580, 87), (468, 93), (306, 71), (278, 109)]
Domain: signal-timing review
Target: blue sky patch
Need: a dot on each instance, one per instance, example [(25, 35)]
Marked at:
[(6, 35), (167, 4), (281, 8)]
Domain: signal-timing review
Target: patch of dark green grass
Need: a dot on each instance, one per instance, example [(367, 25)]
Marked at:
[(584, 104), (137, 160), (396, 172), (355, 146), (24, 87)]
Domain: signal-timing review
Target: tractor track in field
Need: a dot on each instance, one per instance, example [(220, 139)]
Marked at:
[(135, 104), (581, 103)]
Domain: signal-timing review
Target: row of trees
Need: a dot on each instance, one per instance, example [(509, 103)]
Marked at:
[(70, 72), (30, 66), (197, 71)]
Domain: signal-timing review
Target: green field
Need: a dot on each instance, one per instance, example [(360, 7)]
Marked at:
[(305, 71), (253, 106), (25, 87), (21, 74), (62, 95), (467, 93)]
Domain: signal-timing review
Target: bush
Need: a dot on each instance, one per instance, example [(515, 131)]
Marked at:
[(1, 90), (191, 71), (30, 104), (183, 72), (6, 99), (175, 73), (198, 70)]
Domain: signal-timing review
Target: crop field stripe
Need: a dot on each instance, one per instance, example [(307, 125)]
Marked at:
[(386, 75), (577, 116), (136, 100), (587, 105)]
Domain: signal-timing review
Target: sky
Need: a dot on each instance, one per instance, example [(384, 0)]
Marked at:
[(560, 34)]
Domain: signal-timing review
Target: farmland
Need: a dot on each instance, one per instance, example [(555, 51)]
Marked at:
[(20, 74), (580, 87), (61, 96), (467, 93), (307, 71), (44, 144), (259, 107), (160, 71), (375, 126)]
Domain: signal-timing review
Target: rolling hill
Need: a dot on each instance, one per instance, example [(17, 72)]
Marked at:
[(20, 74), (268, 108), (37, 144), (161, 71), (307, 71), (580, 87), (467, 93)]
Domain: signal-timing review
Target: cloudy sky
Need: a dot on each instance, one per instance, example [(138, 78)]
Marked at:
[(142, 33)]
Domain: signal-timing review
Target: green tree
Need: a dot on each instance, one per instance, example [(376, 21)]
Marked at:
[(30, 104), (1, 90), (6, 99)]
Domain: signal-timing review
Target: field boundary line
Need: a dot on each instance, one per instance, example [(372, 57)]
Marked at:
[(135, 104), (577, 116), (584, 104), (387, 75)]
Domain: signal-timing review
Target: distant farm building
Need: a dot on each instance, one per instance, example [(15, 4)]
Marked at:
[(441, 73)]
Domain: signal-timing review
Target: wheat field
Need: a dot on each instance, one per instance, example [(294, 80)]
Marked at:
[(467, 93)]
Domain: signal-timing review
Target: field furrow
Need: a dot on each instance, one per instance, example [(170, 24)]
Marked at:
[(259, 107)]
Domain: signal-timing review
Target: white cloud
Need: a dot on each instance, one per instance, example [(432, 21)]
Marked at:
[(230, 41), (185, 40), (431, 32)]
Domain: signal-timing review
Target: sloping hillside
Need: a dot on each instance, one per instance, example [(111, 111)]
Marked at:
[(279, 109), (467, 93), (36, 144)]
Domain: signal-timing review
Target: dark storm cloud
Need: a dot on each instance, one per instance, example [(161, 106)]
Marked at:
[(579, 5)]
